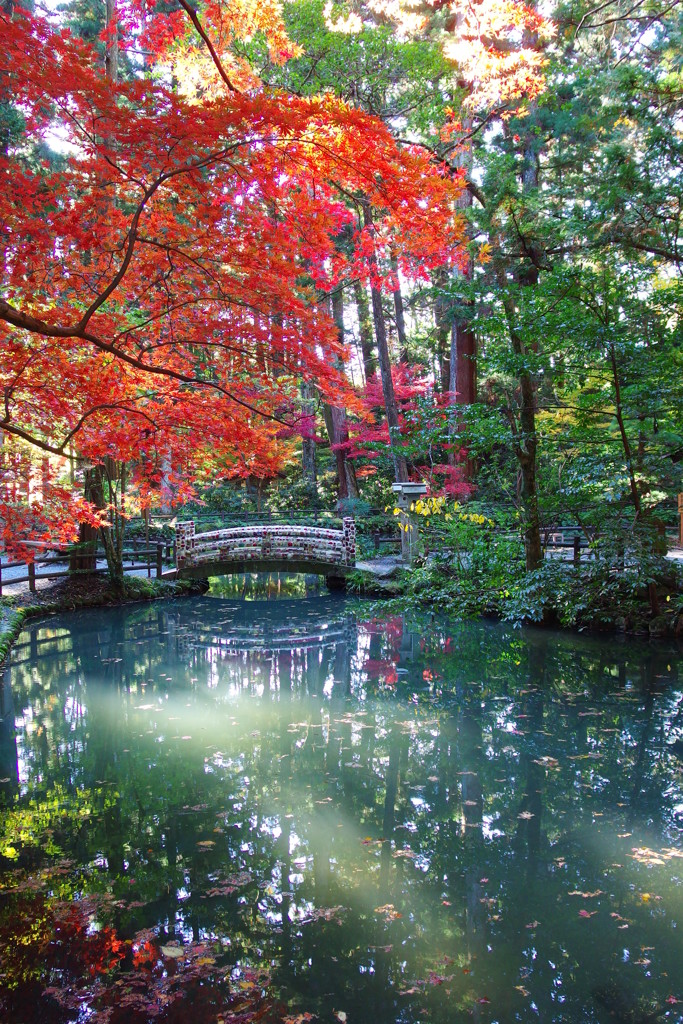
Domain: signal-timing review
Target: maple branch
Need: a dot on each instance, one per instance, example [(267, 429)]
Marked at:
[(470, 186), (58, 449), (29, 323), (37, 442), (196, 165), (120, 406), (194, 18)]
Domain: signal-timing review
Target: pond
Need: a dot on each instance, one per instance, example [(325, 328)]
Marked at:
[(226, 810)]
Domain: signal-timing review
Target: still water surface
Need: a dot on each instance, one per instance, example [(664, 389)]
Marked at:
[(401, 819)]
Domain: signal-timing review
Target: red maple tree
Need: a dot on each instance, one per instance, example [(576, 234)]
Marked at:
[(161, 272)]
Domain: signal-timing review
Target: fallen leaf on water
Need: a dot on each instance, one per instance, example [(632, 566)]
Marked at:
[(526, 815), (533, 924), (547, 762), (587, 913), (340, 1015), (586, 895), (172, 951), (520, 988), (389, 912), (206, 844)]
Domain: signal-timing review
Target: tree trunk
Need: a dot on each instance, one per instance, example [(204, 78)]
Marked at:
[(628, 455), (399, 312), (390, 405), (84, 558), (365, 329), (116, 474), (308, 446), (335, 419), (525, 441), (443, 330), (7, 7), (462, 376), (111, 53)]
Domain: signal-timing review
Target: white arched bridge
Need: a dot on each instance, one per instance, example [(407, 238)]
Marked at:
[(266, 548)]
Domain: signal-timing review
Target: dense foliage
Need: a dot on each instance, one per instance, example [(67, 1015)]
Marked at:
[(340, 245)]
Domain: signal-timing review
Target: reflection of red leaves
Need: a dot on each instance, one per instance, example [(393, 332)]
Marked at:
[(388, 911), (105, 978), (382, 669), (438, 979), (391, 626), (145, 953)]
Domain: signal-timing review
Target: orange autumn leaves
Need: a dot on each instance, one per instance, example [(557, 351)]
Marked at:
[(162, 276)]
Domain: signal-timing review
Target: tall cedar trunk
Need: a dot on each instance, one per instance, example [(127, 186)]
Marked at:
[(528, 449), (365, 329), (94, 478), (7, 8), (390, 406), (335, 419), (462, 364), (525, 440), (111, 53), (443, 330), (308, 447), (628, 455), (399, 312)]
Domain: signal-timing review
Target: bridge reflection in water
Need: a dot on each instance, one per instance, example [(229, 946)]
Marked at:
[(394, 814)]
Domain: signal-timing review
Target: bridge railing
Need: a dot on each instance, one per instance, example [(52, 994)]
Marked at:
[(266, 542)]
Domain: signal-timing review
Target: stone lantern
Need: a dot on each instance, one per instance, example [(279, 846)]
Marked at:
[(406, 494)]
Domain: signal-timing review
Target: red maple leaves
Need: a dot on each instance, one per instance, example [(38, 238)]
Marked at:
[(162, 269)]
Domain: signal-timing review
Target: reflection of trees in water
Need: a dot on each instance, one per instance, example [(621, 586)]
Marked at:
[(451, 811), (9, 768)]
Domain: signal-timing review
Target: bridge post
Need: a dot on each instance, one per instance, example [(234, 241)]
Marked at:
[(184, 535), (349, 541)]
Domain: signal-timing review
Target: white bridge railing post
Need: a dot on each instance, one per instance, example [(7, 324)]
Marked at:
[(184, 539), (349, 540)]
